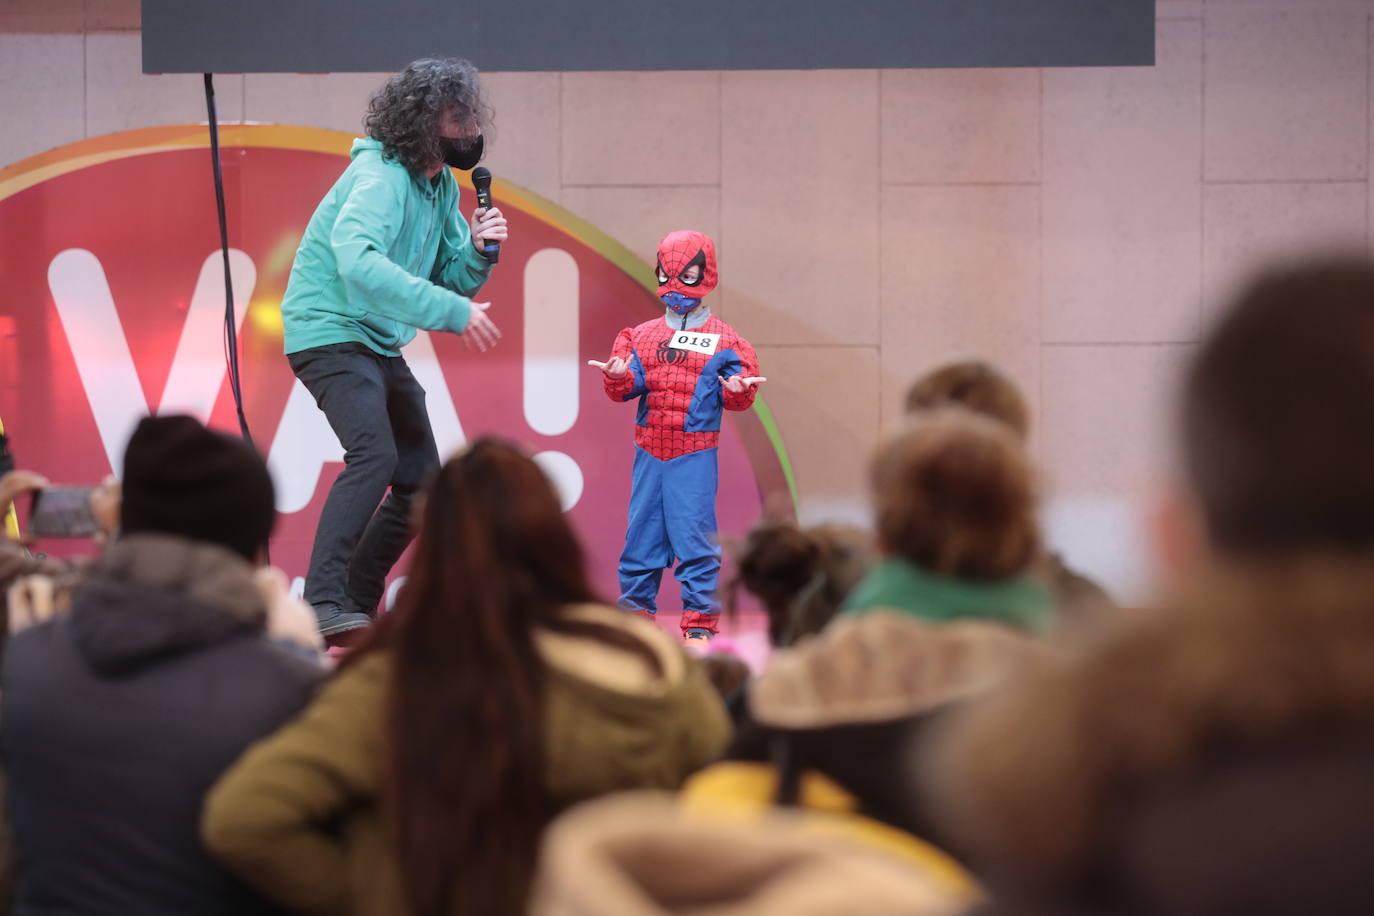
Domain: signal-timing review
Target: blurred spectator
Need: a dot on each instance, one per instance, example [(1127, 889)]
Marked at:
[(40, 598), (801, 575), (956, 521), (1215, 757), (1080, 603), (495, 694), (835, 721), (117, 716), (976, 386)]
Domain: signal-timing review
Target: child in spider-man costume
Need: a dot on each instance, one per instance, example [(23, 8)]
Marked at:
[(684, 368)]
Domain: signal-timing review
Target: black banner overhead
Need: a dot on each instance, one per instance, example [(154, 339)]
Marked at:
[(296, 36)]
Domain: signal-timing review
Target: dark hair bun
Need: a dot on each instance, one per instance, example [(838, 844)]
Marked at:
[(777, 561)]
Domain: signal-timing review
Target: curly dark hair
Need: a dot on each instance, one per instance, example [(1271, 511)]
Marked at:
[(404, 114)]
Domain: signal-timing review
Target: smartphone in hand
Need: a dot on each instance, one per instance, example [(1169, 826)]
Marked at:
[(62, 512)]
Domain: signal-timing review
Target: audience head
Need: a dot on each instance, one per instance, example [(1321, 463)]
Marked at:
[(181, 478), (1278, 441), (975, 385), (954, 494), (802, 575), (490, 508), (494, 557)]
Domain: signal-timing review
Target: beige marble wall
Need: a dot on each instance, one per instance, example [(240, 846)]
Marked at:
[(1077, 226)]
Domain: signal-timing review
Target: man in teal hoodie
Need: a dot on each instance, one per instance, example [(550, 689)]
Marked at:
[(386, 253)]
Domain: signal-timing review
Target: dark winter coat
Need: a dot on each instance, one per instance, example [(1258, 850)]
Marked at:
[(116, 718)]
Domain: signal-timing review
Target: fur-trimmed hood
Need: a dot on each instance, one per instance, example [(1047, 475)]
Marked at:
[(640, 854), (611, 667), (855, 704), (154, 596), (884, 666), (1042, 779)]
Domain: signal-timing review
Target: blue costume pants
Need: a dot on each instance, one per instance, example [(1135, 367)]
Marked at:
[(672, 516)]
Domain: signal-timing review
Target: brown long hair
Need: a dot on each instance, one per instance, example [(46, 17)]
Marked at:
[(464, 797)]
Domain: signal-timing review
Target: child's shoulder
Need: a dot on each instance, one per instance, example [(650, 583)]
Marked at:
[(722, 327), (652, 326)]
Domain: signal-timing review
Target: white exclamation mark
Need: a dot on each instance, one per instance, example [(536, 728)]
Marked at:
[(551, 361)]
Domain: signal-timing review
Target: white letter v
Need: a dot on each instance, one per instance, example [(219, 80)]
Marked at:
[(86, 309)]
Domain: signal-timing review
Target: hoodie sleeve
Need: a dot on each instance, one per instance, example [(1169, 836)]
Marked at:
[(267, 818), (632, 384), (367, 225), (459, 266)]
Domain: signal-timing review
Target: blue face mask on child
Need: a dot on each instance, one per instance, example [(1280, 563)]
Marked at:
[(680, 303)]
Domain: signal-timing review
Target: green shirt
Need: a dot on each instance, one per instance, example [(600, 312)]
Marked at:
[(385, 253), (896, 584)]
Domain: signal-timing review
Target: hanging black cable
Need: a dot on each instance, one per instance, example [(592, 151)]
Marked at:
[(231, 331), (231, 336)]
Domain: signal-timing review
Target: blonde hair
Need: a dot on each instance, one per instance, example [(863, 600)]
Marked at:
[(954, 494)]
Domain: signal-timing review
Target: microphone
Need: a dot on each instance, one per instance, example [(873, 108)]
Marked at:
[(481, 183)]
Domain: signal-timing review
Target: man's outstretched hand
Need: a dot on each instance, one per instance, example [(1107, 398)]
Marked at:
[(738, 384), (481, 331), (615, 367)]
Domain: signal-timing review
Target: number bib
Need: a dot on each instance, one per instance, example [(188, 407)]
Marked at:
[(692, 340)]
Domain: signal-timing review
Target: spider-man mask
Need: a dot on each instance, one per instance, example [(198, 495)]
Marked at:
[(679, 251)]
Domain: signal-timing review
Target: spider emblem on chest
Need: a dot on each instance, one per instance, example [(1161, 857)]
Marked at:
[(667, 354)]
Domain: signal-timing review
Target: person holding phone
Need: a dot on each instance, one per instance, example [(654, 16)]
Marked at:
[(95, 514), (385, 254)]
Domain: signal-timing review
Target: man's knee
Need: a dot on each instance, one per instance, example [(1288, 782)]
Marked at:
[(403, 494), (413, 471), (374, 455)]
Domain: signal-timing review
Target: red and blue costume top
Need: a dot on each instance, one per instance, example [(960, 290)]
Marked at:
[(679, 374), (680, 386)]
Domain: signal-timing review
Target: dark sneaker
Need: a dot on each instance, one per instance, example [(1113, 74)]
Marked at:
[(335, 620)]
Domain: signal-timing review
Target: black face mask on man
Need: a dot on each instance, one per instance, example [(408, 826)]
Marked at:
[(461, 154)]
